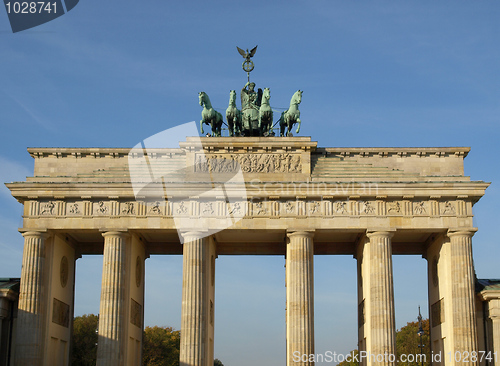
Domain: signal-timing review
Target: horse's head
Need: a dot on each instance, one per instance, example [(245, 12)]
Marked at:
[(266, 94), (232, 96), (297, 97), (202, 97)]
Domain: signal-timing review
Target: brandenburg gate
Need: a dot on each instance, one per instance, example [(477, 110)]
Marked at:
[(214, 196)]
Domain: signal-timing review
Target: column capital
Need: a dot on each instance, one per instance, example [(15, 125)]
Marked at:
[(39, 234), (462, 232), (388, 233), (121, 233), (306, 233), (487, 295), (196, 234)]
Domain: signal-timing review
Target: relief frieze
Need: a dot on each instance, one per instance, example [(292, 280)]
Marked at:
[(128, 208), (394, 208), (249, 163), (47, 208), (290, 208), (341, 207), (419, 208), (259, 209), (448, 208), (74, 209), (155, 208), (235, 209), (329, 207), (315, 207), (101, 208), (367, 208)]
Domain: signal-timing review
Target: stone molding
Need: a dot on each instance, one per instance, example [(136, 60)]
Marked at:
[(222, 144), (401, 152)]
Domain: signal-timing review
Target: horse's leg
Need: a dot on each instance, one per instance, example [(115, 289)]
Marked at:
[(260, 124), (214, 128), (298, 127), (236, 126), (201, 127), (282, 125), (218, 124), (230, 125)]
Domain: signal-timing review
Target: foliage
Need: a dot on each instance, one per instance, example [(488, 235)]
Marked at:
[(352, 360), (407, 343), (161, 346), (84, 351)]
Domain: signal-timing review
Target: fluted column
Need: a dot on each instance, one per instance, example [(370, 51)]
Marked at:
[(111, 341), (495, 325), (463, 295), (195, 301), (32, 302), (299, 298), (381, 297)]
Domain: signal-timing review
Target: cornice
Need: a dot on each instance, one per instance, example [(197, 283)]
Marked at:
[(459, 151)]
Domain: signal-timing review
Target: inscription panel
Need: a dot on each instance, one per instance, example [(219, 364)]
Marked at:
[(437, 313), (135, 313), (60, 313)]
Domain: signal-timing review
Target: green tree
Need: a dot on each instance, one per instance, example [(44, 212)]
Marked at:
[(353, 361), (408, 343), (84, 351), (161, 346)]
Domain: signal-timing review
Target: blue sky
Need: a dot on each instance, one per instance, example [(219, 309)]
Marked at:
[(380, 73)]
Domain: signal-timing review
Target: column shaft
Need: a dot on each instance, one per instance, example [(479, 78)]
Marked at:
[(299, 298), (495, 331), (32, 302), (381, 297), (194, 349), (463, 293), (111, 341)]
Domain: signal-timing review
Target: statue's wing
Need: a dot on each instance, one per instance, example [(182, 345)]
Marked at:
[(252, 52), (242, 53)]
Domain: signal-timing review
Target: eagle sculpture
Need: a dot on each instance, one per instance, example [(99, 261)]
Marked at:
[(247, 55)]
